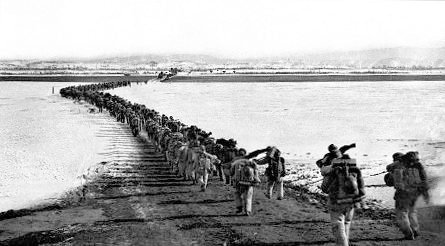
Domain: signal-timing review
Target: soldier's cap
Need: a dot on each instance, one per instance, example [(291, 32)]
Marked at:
[(397, 156), (332, 147)]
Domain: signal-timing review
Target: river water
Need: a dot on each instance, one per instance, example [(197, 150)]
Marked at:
[(302, 119)]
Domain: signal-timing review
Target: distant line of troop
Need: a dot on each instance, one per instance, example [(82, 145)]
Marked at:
[(190, 151)]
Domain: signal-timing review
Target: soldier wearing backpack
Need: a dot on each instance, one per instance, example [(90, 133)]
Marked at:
[(245, 176), (334, 153), (396, 162), (275, 171), (204, 165), (218, 151), (408, 177), (346, 191), (276, 178)]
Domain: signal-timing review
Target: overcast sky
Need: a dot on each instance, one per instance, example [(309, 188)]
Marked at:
[(238, 29)]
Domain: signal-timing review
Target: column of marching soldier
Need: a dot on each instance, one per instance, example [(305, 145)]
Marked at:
[(194, 155)]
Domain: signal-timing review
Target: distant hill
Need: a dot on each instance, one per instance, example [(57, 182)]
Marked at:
[(389, 57), (374, 58), (138, 59)]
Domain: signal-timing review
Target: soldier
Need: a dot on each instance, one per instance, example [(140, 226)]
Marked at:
[(343, 182), (275, 171), (245, 176), (204, 165), (409, 179)]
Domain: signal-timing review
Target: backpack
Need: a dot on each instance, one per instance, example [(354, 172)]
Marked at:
[(326, 184), (275, 169), (246, 173), (407, 178), (229, 155), (204, 163), (346, 182), (389, 179)]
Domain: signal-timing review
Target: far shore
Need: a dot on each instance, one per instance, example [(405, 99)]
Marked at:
[(230, 78), (305, 78)]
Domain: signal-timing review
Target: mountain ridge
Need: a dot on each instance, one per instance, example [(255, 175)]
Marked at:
[(384, 57)]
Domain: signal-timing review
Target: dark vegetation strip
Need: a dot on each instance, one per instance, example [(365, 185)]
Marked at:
[(307, 78), (237, 78), (80, 78)]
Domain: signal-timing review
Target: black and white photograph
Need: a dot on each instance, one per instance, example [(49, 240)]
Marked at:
[(222, 122)]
